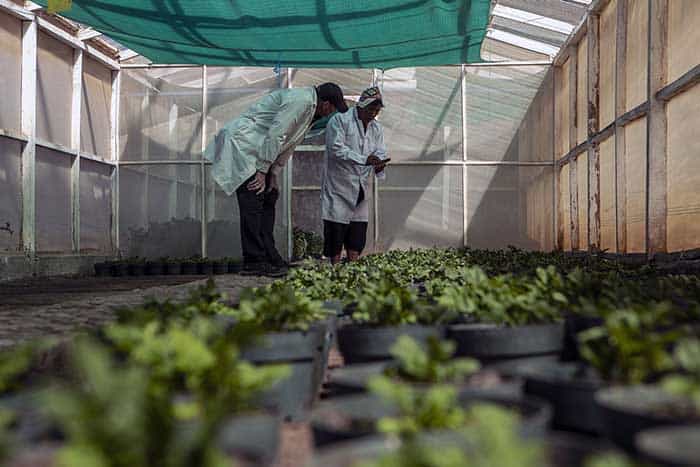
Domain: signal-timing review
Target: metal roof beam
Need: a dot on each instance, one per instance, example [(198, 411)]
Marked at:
[(533, 19), (522, 42)]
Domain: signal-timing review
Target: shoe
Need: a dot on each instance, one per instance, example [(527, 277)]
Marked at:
[(253, 269)]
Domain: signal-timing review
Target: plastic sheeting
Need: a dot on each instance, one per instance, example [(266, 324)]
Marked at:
[(54, 83), (156, 201), (95, 112), (11, 66), (53, 201), (10, 195), (511, 206), (161, 114), (303, 33), (421, 207), (95, 207), (422, 119)]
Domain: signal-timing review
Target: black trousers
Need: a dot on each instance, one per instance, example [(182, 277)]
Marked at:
[(258, 225)]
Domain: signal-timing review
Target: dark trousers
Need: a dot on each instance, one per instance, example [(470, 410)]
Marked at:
[(258, 225)]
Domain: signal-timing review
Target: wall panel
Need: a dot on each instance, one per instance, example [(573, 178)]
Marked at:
[(683, 37), (683, 182), (54, 84), (53, 202), (582, 92), (636, 168), (608, 19), (582, 183), (10, 71), (637, 52), (564, 209), (10, 195), (95, 207), (561, 109), (608, 218), (95, 112)]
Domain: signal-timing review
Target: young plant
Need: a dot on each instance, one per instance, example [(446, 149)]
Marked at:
[(385, 303), (431, 365), (278, 307), (686, 383), (633, 343)]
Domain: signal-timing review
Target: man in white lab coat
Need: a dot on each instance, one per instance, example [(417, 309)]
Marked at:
[(248, 155), (354, 149)]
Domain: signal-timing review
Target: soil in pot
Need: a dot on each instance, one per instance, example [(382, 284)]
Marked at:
[(137, 269), (103, 269), (362, 344), (120, 269), (671, 446), (206, 268), (173, 268), (189, 268), (628, 410), (155, 268), (291, 397), (570, 388), (220, 267), (492, 343), (355, 416)]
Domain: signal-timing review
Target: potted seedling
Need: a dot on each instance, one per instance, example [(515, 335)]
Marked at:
[(173, 267), (190, 266), (674, 400), (103, 269), (413, 363), (505, 317), (120, 268), (137, 266), (156, 267), (220, 266), (297, 334), (205, 266), (384, 312)]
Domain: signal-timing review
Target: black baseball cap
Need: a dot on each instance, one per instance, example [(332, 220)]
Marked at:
[(332, 93)]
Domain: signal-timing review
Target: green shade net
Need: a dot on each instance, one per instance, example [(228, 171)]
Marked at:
[(293, 33)]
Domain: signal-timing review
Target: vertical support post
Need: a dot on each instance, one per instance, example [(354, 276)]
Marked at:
[(465, 191), (558, 221), (445, 204), (375, 184), (657, 202), (76, 114), (620, 144), (593, 123), (289, 180), (573, 164), (28, 127), (202, 166), (173, 185), (114, 148)]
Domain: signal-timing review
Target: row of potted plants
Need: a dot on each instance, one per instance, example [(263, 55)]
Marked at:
[(194, 265)]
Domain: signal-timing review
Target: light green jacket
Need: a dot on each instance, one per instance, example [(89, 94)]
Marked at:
[(262, 138)]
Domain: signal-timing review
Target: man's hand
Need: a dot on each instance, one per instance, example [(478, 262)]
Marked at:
[(257, 184), (379, 167), (373, 160), (272, 182)]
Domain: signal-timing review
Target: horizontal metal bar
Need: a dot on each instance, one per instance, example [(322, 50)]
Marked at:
[(603, 134), (638, 112), (688, 80), (158, 65), (509, 63), (163, 162), (306, 188), (410, 163), (57, 147), (8, 6), (94, 158), (13, 134), (511, 163)]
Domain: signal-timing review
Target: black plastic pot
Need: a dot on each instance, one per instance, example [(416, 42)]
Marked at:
[(571, 392), (301, 352), (234, 268), (492, 343), (353, 379), (575, 323), (155, 268), (354, 417), (671, 446), (120, 269), (206, 268), (103, 269), (173, 269), (220, 268), (189, 268), (328, 330), (360, 344), (564, 449), (251, 438), (137, 269), (626, 411)]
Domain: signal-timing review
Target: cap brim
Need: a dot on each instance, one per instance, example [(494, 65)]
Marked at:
[(368, 102)]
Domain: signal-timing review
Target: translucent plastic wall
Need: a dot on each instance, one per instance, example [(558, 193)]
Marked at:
[(164, 184), (69, 158)]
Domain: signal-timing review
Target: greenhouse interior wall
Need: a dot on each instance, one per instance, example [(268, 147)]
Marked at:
[(593, 149)]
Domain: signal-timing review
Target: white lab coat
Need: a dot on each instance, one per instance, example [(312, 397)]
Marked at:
[(347, 149), (262, 138)]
